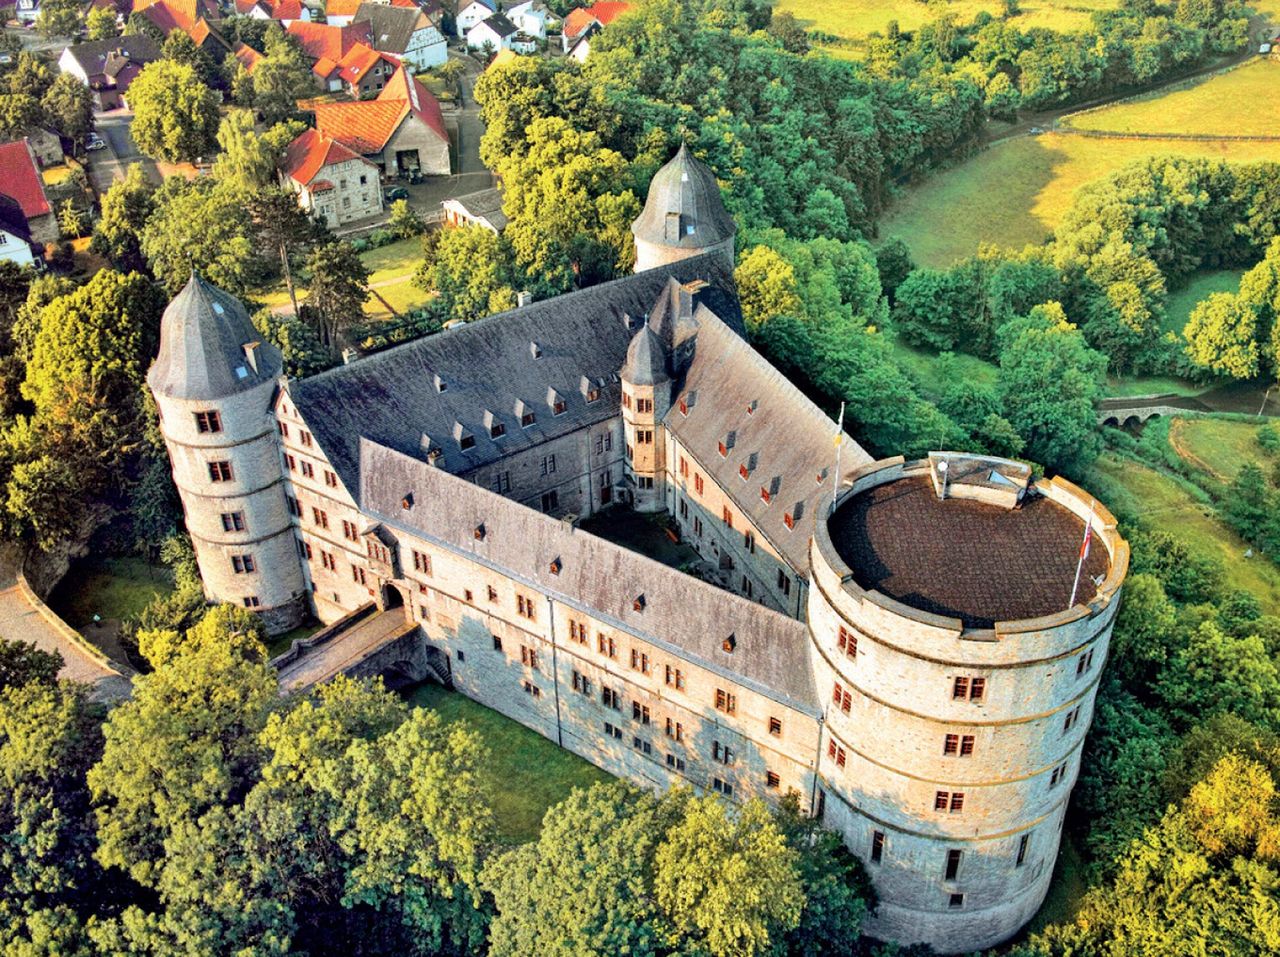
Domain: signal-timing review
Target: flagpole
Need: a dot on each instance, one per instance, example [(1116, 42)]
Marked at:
[(1084, 551), (839, 435)]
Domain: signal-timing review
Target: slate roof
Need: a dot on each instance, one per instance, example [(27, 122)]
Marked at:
[(202, 337), (646, 362), (500, 25), (485, 204), (20, 179), (684, 207), (11, 219), (735, 397), (391, 27), (311, 152), (680, 612), (92, 56), (488, 366)]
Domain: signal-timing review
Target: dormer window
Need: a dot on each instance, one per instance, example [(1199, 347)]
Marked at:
[(729, 644), (434, 455), (441, 385), (589, 389), (557, 403), (765, 495), (744, 471), (497, 430), (789, 520), (556, 566), (724, 449), (463, 437), (638, 604), (684, 407), (406, 503), (527, 419), (593, 394), (751, 407), (535, 350), (479, 532)]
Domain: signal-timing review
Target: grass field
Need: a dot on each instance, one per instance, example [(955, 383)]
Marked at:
[(925, 368), (1016, 192), (391, 269), (1066, 893), (1218, 447), (1180, 304), (1233, 103), (1167, 505), (854, 19), (525, 773), (112, 588)]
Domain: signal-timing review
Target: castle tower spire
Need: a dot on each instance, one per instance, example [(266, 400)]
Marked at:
[(214, 381), (683, 215)]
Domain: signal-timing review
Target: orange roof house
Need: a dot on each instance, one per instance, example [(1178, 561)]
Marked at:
[(247, 55), (170, 15), (603, 13), (331, 180), (402, 129), (366, 71), (326, 41)]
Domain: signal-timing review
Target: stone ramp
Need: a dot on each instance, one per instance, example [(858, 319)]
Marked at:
[(341, 647), (24, 617)]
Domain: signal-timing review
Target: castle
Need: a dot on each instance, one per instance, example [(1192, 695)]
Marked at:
[(899, 648)]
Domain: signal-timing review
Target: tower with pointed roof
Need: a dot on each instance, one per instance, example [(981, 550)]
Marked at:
[(683, 215), (214, 382), (646, 397)]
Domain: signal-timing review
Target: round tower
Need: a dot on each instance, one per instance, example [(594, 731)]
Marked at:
[(214, 383), (683, 215), (958, 678), (646, 397)]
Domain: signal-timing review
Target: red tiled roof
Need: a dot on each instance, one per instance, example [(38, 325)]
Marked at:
[(20, 180), (325, 40), (404, 87), (364, 126), (604, 12), (246, 55), (171, 15), (360, 59), (323, 185), (311, 152), (324, 68), (285, 9), (245, 7), (341, 8)]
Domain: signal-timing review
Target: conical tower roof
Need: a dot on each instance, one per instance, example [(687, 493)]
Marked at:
[(203, 335), (646, 359), (684, 207)]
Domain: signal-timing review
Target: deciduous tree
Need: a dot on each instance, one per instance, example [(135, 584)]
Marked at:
[(175, 115)]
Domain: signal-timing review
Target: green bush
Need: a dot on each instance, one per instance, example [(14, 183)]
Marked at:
[(1269, 438)]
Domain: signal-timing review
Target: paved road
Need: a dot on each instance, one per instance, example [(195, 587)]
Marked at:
[(348, 649), (110, 164), (24, 618)]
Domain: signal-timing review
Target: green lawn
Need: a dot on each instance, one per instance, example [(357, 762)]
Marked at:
[(112, 588), (1065, 893), (525, 773), (924, 367), (280, 643), (394, 264), (1167, 505), (1218, 447), (1180, 304), (1017, 191), (1225, 104)]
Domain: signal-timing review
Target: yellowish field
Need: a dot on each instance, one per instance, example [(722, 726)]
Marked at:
[(854, 19), (1238, 102), (1016, 192)]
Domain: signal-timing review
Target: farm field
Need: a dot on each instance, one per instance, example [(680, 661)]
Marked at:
[(1218, 447), (854, 19), (525, 773), (1167, 505), (1226, 104), (1016, 192)]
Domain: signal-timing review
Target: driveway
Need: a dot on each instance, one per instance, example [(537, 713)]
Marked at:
[(110, 164)]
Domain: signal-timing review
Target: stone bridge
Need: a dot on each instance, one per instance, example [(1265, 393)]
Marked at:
[(1135, 410), (369, 641)]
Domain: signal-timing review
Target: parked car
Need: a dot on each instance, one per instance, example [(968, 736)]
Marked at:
[(94, 142), (397, 192)]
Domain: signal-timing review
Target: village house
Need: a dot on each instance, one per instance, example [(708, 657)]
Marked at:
[(247, 55), (532, 18), (364, 71), (15, 237), (472, 12), (210, 39), (107, 67), (170, 15), (20, 181), (326, 45), (286, 11), (583, 22), (494, 33), (483, 209), (401, 130), (332, 183), (407, 34)]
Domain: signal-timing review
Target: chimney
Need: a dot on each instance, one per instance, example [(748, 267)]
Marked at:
[(524, 297), (251, 354), (348, 355)]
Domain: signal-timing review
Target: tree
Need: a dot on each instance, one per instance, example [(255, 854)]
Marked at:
[(767, 287), (122, 218), (1217, 673), (31, 75), (100, 23), (49, 737), (282, 227), (405, 222), (42, 500), (69, 107), (338, 288), (175, 116), (18, 113), (205, 226), (893, 262), (470, 270), (59, 18), (70, 220), (22, 663), (185, 743), (1222, 336), (1248, 503), (179, 47), (281, 78), (1049, 385), (246, 159)]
